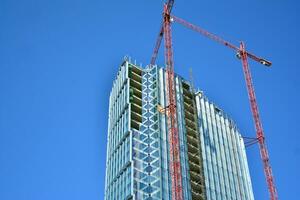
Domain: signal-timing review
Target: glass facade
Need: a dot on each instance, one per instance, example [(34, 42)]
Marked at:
[(224, 157), (212, 153), (119, 152)]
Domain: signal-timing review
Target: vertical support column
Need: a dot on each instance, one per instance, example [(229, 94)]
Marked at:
[(175, 169), (258, 126)]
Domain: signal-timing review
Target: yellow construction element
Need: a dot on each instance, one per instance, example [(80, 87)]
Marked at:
[(161, 109)]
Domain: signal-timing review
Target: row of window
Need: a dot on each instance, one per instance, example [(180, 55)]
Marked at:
[(119, 131), (118, 160), (118, 82), (121, 188), (117, 108)]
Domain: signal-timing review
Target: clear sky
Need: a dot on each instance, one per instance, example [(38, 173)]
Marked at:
[(58, 59)]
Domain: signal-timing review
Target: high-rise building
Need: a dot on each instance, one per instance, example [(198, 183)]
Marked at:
[(212, 152)]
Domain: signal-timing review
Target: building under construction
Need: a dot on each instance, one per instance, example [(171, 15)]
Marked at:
[(212, 156)]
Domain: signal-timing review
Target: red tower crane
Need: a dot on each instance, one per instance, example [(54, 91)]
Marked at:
[(260, 136), (175, 168), (173, 133)]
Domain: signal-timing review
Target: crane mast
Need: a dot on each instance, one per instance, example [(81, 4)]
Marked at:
[(258, 125), (169, 7), (175, 168)]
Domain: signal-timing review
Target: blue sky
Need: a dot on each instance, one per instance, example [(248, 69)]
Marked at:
[(58, 59)]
